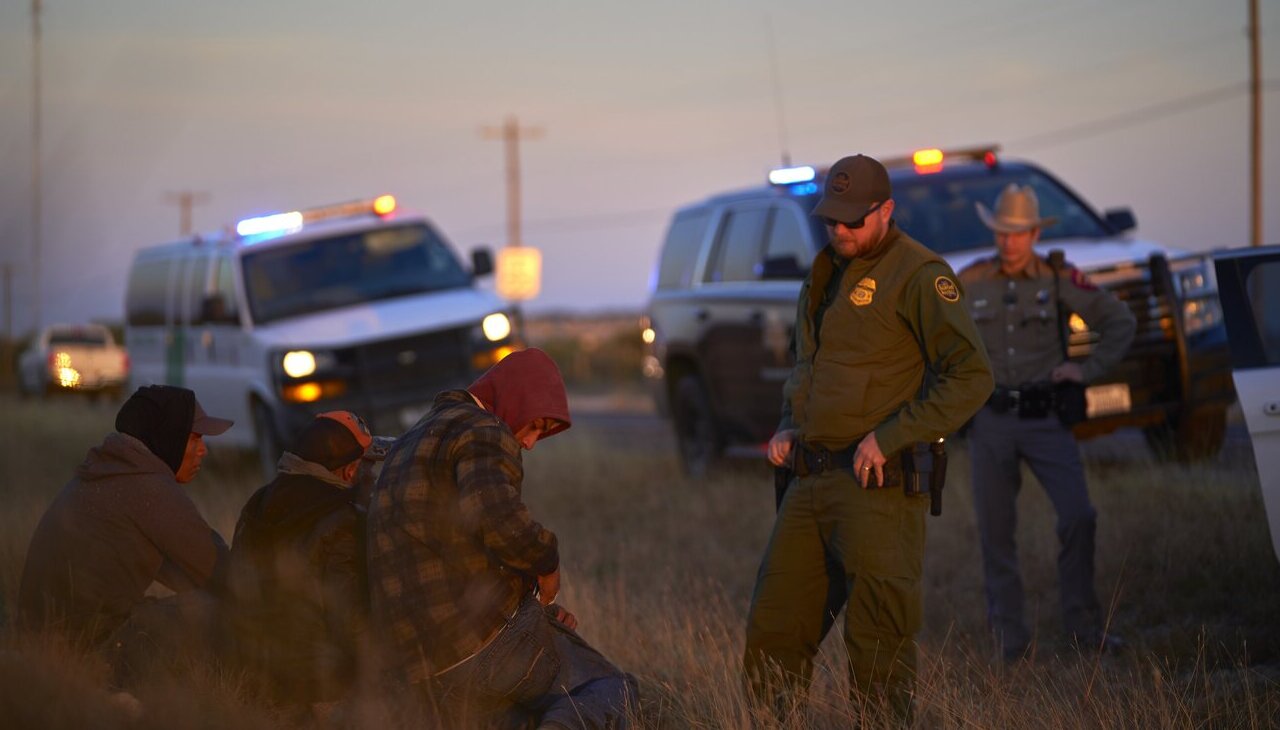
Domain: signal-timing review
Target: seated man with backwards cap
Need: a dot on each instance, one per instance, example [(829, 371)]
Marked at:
[(124, 521), (297, 579)]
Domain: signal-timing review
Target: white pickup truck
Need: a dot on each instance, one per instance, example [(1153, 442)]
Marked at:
[(82, 357)]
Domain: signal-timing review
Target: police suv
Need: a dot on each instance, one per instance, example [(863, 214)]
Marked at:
[(724, 291), (353, 306)]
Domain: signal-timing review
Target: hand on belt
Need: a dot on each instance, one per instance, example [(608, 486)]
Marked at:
[(813, 459)]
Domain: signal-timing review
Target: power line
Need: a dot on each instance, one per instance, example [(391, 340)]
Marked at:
[(1136, 116)]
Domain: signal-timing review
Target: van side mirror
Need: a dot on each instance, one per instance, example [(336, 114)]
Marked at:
[(781, 267), (481, 261), (214, 308), (1120, 220)]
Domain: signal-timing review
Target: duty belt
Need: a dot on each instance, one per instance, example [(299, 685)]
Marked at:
[(1029, 400), (811, 459)]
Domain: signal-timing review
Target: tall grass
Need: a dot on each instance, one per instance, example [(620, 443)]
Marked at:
[(659, 569)]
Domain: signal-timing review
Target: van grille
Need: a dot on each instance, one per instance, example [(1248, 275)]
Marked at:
[(428, 362)]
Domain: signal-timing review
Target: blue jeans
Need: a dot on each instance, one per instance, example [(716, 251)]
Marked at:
[(536, 672)]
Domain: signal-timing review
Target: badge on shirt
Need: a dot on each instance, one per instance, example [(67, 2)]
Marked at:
[(947, 289), (863, 292)]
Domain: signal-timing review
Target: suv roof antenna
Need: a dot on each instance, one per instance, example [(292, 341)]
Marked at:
[(777, 93)]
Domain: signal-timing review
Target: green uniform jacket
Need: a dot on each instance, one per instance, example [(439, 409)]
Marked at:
[(1018, 319), (896, 310)]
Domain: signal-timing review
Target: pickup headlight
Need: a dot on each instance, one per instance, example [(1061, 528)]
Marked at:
[(301, 363), (1197, 288)]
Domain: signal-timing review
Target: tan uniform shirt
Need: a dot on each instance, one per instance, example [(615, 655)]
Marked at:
[(1018, 319)]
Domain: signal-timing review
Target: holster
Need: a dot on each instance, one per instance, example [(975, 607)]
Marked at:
[(924, 471), (782, 476)]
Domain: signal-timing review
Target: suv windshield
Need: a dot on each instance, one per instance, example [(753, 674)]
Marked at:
[(339, 271), (78, 337), (938, 210)]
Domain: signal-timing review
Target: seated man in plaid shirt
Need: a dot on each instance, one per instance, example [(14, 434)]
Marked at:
[(462, 578)]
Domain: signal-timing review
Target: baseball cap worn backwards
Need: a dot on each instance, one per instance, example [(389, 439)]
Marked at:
[(853, 186), (333, 439)]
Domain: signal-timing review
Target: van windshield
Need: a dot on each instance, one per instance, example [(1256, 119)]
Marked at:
[(327, 273)]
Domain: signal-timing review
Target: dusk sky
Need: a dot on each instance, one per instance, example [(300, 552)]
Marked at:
[(270, 106)]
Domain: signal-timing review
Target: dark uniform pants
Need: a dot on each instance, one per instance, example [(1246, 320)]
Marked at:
[(878, 537), (997, 444)]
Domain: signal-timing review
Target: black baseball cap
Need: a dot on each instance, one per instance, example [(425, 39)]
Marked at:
[(854, 184)]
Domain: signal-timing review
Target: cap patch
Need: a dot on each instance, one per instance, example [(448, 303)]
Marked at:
[(840, 183), (947, 289), (863, 293)]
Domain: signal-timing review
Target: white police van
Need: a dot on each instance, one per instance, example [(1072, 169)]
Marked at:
[(354, 306)]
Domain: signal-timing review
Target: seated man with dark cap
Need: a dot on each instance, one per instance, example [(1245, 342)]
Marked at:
[(297, 580), (123, 521)]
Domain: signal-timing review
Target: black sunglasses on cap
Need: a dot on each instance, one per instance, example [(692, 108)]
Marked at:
[(853, 224)]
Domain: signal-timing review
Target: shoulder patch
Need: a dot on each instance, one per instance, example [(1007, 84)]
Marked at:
[(1081, 281), (947, 289)]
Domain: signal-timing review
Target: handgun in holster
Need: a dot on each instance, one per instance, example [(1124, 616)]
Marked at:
[(782, 476), (924, 471)]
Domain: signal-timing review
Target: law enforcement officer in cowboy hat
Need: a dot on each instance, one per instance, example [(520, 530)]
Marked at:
[(886, 356), (1015, 298)]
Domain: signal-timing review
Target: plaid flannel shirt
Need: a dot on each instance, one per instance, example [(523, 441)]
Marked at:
[(452, 548)]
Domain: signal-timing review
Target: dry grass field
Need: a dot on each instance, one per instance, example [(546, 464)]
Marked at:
[(659, 569)]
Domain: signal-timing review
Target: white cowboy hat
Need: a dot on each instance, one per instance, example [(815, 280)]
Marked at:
[(1017, 210)]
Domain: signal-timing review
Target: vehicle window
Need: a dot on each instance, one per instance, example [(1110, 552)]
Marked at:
[(144, 304), (224, 286), (939, 210), (739, 247), (90, 336), (1264, 292), (680, 253), (317, 275), (197, 278), (786, 238)]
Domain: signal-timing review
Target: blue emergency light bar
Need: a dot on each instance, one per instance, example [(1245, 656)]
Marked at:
[(270, 224)]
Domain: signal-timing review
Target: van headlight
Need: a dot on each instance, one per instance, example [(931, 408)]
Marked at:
[(301, 363), (496, 327)]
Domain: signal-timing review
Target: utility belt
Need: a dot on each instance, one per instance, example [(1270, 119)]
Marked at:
[(1029, 400), (919, 469)]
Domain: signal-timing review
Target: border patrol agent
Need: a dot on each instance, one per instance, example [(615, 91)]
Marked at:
[(876, 312), (1014, 300)]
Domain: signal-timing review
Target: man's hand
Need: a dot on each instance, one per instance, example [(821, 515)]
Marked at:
[(780, 446), (868, 461), (1067, 371), (559, 613), (549, 587)]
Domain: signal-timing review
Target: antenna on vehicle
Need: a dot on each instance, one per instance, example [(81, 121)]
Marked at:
[(777, 94)]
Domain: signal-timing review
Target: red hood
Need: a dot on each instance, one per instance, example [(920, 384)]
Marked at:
[(523, 387)]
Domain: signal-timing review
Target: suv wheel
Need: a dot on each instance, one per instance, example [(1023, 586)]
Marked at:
[(1192, 436), (696, 433), (269, 448)]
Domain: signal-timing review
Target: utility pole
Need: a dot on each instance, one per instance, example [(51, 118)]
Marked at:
[(1255, 126), (36, 232), (186, 200), (6, 351), (510, 134)]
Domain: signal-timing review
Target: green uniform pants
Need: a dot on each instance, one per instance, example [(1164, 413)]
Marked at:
[(878, 536)]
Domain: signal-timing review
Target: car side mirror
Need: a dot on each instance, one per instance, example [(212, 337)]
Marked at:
[(781, 267), (1120, 220), (481, 261)]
